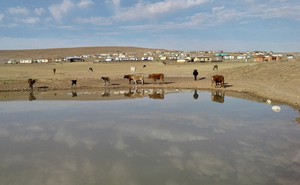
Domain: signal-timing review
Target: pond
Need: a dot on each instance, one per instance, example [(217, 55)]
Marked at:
[(179, 138)]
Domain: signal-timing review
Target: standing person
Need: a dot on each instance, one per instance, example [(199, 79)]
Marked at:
[(195, 73)]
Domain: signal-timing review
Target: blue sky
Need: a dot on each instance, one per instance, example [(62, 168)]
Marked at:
[(235, 25)]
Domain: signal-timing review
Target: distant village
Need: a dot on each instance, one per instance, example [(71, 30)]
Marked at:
[(166, 56)]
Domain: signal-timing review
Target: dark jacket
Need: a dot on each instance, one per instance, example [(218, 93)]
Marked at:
[(195, 73)]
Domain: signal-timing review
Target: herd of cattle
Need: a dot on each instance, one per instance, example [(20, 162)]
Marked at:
[(216, 80)]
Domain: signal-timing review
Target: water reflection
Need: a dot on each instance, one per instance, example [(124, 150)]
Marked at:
[(106, 92), (31, 96), (174, 141), (74, 94), (157, 94), (195, 95), (134, 93), (218, 96)]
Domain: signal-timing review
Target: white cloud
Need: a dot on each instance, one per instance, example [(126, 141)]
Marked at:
[(18, 11), (39, 11), (31, 20), (151, 10), (59, 10), (223, 15), (2, 17), (85, 3), (268, 12), (116, 4), (94, 20)]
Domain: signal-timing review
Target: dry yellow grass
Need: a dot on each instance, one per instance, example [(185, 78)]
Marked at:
[(277, 81), (64, 52)]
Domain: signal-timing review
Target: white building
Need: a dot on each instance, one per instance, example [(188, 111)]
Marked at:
[(25, 61), (229, 57), (42, 60)]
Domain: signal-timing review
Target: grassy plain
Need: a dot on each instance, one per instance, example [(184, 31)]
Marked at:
[(278, 81)]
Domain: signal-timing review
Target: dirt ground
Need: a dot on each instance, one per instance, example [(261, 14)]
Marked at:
[(277, 81)]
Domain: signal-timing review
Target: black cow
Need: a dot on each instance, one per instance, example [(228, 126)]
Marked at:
[(31, 82), (106, 80), (216, 67), (73, 82)]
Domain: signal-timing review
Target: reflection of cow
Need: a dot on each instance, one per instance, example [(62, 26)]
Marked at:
[(218, 80), (134, 93), (218, 96), (157, 95), (106, 92), (157, 76), (31, 82), (31, 96), (74, 94), (135, 78)]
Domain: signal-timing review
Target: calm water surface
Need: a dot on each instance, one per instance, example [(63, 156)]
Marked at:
[(175, 141)]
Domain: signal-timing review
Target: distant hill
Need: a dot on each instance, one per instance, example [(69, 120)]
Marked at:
[(64, 52)]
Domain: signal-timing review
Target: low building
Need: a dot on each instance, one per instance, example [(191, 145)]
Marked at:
[(265, 58), (228, 57), (42, 60), (241, 57), (181, 60), (202, 59), (74, 59), (25, 61), (290, 57)]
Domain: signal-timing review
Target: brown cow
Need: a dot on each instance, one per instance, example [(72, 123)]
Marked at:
[(157, 76), (218, 80), (128, 77), (135, 78)]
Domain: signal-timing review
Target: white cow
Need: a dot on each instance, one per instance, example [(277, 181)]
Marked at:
[(132, 69), (138, 77)]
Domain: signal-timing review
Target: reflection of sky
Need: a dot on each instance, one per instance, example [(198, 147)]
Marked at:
[(179, 140)]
